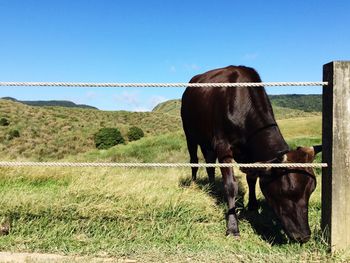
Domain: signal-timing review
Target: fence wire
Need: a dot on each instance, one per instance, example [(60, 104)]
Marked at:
[(158, 85), (162, 165)]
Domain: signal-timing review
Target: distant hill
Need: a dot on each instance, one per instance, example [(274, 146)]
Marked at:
[(171, 107), (308, 103), (60, 103), (285, 106)]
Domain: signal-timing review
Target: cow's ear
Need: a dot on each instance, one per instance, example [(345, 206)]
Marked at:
[(317, 149), (306, 154), (284, 158)]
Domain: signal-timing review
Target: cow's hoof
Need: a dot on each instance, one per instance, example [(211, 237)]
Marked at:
[(232, 233), (253, 206), (4, 229)]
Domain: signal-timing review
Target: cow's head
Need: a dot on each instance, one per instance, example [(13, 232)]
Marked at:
[(288, 192)]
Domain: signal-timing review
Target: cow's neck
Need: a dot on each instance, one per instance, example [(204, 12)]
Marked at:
[(266, 144)]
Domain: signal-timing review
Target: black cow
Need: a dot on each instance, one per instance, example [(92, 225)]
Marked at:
[(238, 124)]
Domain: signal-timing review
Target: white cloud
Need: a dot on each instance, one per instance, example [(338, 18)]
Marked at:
[(135, 102), (172, 69), (250, 56), (91, 95), (130, 98), (192, 67), (140, 109), (155, 100)]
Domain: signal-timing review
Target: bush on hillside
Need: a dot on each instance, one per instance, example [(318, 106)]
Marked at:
[(13, 134), (135, 133), (108, 137), (4, 122)]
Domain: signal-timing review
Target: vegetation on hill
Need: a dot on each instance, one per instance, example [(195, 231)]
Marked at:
[(284, 106), (135, 133), (4, 122), (59, 103), (307, 103), (107, 137), (170, 107), (48, 133)]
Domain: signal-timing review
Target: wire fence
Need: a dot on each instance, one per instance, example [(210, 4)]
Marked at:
[(159, 165), (158, 85), (162, 165)]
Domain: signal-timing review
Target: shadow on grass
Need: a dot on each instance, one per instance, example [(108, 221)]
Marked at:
[(216, 190), (265, 224), (263, 220)]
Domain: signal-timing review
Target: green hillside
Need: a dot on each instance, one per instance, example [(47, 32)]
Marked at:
[(307, 103), (59, 103), (284, 106), (47, 133), (56, 132), (170, 107)]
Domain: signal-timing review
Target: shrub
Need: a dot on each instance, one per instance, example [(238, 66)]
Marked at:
[(4, 122), (108, 137), (13, 134), (135, 133)]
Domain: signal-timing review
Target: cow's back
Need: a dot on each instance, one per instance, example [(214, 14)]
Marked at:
[(234, 113)]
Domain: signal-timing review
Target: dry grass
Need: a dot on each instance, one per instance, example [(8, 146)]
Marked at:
[(305, 127)]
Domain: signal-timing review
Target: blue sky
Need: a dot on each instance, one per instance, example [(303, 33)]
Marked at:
[(164, 41)]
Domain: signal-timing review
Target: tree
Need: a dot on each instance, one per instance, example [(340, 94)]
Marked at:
[(4, 122), (13, 134), (108, 137), (135, 133)]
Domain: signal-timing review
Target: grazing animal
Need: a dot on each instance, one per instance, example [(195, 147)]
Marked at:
[(288, 191), (238, 124)]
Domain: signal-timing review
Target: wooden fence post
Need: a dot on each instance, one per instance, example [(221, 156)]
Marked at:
[(336, 152)]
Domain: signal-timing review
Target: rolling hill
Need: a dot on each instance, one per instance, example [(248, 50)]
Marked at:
[(307, 103), (51, 132), (60, 103), (56, 132), (284, 106)]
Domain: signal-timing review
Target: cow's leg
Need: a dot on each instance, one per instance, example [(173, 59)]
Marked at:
[(231, 190), (224, 153), (192, 149), (210, 157), (251, 180)]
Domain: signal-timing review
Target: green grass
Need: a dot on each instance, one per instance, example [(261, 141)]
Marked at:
[(133, 213), (161, 148), (304, 127), (172, 147), (151, 215)]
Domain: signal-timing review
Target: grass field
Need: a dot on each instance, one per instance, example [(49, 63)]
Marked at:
[(153, 215), (150, 215)]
